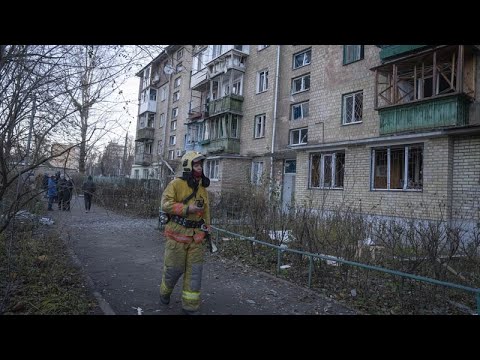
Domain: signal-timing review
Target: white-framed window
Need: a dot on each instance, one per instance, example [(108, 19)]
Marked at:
[(352, 108), (177, 82), (216, 51), (159, 147), (262, 81), (174, 113), (151, 120), (171, 154), (298, 136), (179, 54), (260, 126), (153, 95), (146, 78), (327, 170), (163, 94), (397, 168), (173, 125), (302, 58), (176, 96), (300, 110), (161, 120), (352, 53), (261, 47), (237, 86), (145, 173), (211, 169), (301, 83), (148, 148), (173, 140), (142, 120), (137, 174), (256, 172)]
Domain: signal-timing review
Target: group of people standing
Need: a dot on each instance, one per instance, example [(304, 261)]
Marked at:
[(59, 189)]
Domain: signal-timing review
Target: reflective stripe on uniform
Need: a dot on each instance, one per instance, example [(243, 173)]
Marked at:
[(189, 295)]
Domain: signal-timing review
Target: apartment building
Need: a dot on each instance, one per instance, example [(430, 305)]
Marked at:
[(392, 130), (163, 108)]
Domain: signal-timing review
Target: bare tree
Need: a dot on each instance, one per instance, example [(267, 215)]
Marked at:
[(94, 76), (31, 108)]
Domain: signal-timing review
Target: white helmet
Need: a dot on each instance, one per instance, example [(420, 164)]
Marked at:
[(189, 158)]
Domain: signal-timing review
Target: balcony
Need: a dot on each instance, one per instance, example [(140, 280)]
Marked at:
[(150, 105), (228, 145), (391, 51), (231, 60), (144, 134), (199, 79), (197, 113), (143, 159), (439, 112), (231, 103)]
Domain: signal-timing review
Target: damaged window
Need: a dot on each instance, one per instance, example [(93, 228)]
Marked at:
[(327, 170), (397, 168)]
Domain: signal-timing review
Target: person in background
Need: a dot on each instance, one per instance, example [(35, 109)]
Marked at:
[(186, 200), (88, 188), (51, 192), (60, 190), (67, 193)]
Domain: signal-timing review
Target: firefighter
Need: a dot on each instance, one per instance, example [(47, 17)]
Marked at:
[(185, 199)]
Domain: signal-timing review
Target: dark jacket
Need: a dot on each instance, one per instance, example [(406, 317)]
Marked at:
[(89, 187)]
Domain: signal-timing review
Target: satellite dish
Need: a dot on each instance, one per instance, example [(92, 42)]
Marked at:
[(168, 69)]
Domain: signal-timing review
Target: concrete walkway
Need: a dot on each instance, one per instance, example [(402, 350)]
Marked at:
[(122, 258)]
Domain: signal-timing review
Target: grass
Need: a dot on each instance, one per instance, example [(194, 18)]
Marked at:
[(38, 276)]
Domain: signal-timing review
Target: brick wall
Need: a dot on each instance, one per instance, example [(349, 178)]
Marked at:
[(431, 203), (466, 178)]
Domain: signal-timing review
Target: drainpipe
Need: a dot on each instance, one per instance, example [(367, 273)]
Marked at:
[(168, 115), (274, 124)]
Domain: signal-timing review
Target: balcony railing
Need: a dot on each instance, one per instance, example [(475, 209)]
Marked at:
[(439, 112), (231, 103), (146, 133), (228, 145), (143, 159)]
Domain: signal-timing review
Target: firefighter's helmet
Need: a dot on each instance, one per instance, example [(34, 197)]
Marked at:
[(189, 158)]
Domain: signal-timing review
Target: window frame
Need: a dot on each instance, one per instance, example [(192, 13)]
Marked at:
[(261, 120), (262, 80), (256, 172), (344, 109), (334, 157), (302, 110), (300, 137), (360, 54), (387, 167), (303, 86), (177, 82), (212, 172), (303, 52), (176, 96), (174, 113)]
